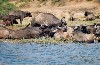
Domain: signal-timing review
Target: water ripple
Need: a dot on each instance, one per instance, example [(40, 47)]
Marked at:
[(49, 54)]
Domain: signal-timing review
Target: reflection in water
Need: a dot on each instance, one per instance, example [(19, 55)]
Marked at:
[(49, 54)]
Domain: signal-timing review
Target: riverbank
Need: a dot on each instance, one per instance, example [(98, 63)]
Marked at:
[(43, 39)]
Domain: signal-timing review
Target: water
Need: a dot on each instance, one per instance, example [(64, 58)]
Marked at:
[(49, 54)]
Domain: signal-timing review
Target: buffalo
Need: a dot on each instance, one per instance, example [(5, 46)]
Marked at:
[(93, 28), (26, 33), (6, 23), (86, 28), (46, 31), (89, 16), (9, 19), (5, 32), (98, 32), (2, 23), (47, 19), (21, 14), (64, 33), (79, 36), (87, 13), (22, 34), (71, 18)]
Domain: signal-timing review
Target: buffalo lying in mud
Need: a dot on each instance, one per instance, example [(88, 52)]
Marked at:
[(76, 35), (83, 37), (25, 33), (64, 33), (5, 32), (21, 14), (87, 33), (48, 20)]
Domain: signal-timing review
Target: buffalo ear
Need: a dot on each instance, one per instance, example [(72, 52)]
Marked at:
[(65, 30), (41, 27)]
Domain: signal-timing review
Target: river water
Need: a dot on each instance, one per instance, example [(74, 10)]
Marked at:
[(49, 54)]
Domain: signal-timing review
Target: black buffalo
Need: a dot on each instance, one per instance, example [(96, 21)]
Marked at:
[(21, 14), (87, 13), (89, 29), (89, 16)]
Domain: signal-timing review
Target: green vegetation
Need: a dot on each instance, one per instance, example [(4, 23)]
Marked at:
[(6, 7), (40, 40)]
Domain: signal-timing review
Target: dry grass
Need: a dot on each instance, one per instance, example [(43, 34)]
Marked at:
[(73, 23)]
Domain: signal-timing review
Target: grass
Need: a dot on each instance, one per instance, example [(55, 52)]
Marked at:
[(6, 7), (43, 39), (36, 40)]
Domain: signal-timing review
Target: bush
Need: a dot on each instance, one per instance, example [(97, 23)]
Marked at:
[(6, 7)]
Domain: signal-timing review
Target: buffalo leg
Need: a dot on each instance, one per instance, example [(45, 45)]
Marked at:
[(21, 19)]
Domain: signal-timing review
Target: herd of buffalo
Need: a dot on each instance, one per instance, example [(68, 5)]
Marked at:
[(46, 24)]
